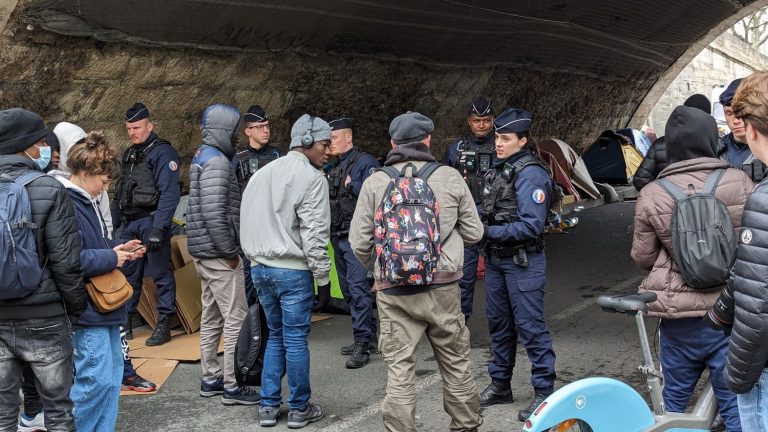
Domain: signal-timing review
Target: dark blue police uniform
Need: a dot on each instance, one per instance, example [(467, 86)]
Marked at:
[(353, 276), (146, 204), (472, 157), (515, 205)]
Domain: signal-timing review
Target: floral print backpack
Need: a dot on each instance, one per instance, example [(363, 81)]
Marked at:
[(407, 227)]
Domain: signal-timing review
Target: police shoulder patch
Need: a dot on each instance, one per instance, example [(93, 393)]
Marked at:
[(746, 236), (538, 196), (173, 165)]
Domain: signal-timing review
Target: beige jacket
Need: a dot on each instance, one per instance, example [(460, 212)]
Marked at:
[(652, 237), (285, 217), (458, 214)]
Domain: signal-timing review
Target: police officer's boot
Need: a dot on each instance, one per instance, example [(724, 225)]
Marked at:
[(161, 334), (538, 398), (373, 347), (496, 393), (360, 355)]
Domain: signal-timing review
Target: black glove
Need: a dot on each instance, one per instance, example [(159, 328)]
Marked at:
[(154, 239), (322, 298)]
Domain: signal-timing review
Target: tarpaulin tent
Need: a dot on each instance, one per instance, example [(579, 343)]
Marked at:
[(569, 160), (612, 159)]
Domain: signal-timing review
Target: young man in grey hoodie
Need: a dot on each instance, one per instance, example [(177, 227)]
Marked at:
[(213, 221), (285, 233)]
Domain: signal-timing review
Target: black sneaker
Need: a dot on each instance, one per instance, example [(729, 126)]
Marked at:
[(240, 396), (373, 348), (138, 384), (496, 393), (161, 334), (208, 389), (299, 419), (538, 398), (360, 356), (268, 415)]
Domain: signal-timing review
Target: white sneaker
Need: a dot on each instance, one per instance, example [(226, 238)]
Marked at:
[(35, 424)]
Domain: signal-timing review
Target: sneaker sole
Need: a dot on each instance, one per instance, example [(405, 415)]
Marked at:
[(230, 402), (138, 389), (211, 393), (267, 423), (301, 424)]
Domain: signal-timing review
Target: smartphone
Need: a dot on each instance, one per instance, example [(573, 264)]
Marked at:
[(138, 248)]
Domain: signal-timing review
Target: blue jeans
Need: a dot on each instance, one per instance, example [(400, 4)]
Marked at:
[(753, 406), (98, 376), (688, 346), (44, 345), (286, 296)]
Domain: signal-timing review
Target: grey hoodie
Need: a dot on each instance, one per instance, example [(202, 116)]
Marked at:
[(213, 215)]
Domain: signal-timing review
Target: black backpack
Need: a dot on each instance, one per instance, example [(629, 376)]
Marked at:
[(703, 237), (251, 344)]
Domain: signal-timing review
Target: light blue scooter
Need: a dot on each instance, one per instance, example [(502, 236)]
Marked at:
[(607, 405)]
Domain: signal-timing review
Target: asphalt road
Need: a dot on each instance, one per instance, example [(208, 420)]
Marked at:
[(591, 259)]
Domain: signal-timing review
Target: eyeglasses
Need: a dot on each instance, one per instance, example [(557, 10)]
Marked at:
[(259, 127)]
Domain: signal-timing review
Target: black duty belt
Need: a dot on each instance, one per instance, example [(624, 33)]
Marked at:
[(137, 216), (506, 251)]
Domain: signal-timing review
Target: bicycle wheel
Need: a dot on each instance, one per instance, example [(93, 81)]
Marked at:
[(572, 425)]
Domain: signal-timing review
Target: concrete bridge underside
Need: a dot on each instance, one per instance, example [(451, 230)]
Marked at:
[(580, 67)]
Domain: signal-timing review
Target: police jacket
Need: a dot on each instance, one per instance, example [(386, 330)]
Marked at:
[(516, 203), (748, 348), (149, 183), (58, 244), (250, 160), (213, 215), (288, 218), (473, 157), (740, 156), (653, 163), (652, 238), (459, 221), (358, 165), (96, 256)]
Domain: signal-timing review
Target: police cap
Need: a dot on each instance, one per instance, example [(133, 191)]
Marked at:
[(137, 112), (726, 97), (340, 123), (513, 120), (255, 114), (480, 107)]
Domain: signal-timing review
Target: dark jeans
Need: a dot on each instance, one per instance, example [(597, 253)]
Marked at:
[(32, 404), (354, 284), (44, 345)]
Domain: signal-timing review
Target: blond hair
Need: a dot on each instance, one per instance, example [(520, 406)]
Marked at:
[(94, 156), (750, 103)]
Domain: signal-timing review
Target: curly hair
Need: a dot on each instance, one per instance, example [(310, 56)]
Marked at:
[(94, 156), (751, 101)]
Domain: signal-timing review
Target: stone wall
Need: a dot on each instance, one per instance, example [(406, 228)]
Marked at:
[(92, 83), (724, 60)]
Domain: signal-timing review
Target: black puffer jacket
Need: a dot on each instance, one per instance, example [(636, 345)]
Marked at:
[(213, 214), (58, 245), (748, 349), (653, 163)]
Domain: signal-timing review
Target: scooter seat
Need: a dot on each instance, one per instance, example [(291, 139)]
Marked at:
[(623, 303)]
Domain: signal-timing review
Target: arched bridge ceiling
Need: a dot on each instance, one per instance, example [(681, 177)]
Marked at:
[(612, 39)]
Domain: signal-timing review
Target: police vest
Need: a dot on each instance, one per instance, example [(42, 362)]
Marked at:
[(136, 191), (499, 194), (473, 161), (341, 199), (249, 162)]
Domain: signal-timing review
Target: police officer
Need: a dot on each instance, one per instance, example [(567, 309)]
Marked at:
[(247, 162), (345, 180), (733, 146), (146, 196), (473, 155), (515, 204)]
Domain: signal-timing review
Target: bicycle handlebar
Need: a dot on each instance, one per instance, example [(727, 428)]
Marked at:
[(623, 303)]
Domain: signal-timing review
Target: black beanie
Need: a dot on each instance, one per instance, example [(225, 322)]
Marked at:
[(699, 101), (19, 129)]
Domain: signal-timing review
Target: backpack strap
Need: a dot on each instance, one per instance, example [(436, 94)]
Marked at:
[(712, 181), (427, 169), (391, 171), (28, 177), (672, 189)]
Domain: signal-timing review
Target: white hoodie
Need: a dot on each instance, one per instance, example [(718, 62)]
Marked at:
[(69, 134)]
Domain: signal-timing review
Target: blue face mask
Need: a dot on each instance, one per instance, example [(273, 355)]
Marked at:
[(45, 157)]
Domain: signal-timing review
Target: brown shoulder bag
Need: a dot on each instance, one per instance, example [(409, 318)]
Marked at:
[(109, 291)]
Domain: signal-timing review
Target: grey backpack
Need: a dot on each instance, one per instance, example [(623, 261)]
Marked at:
[(703, 238)]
